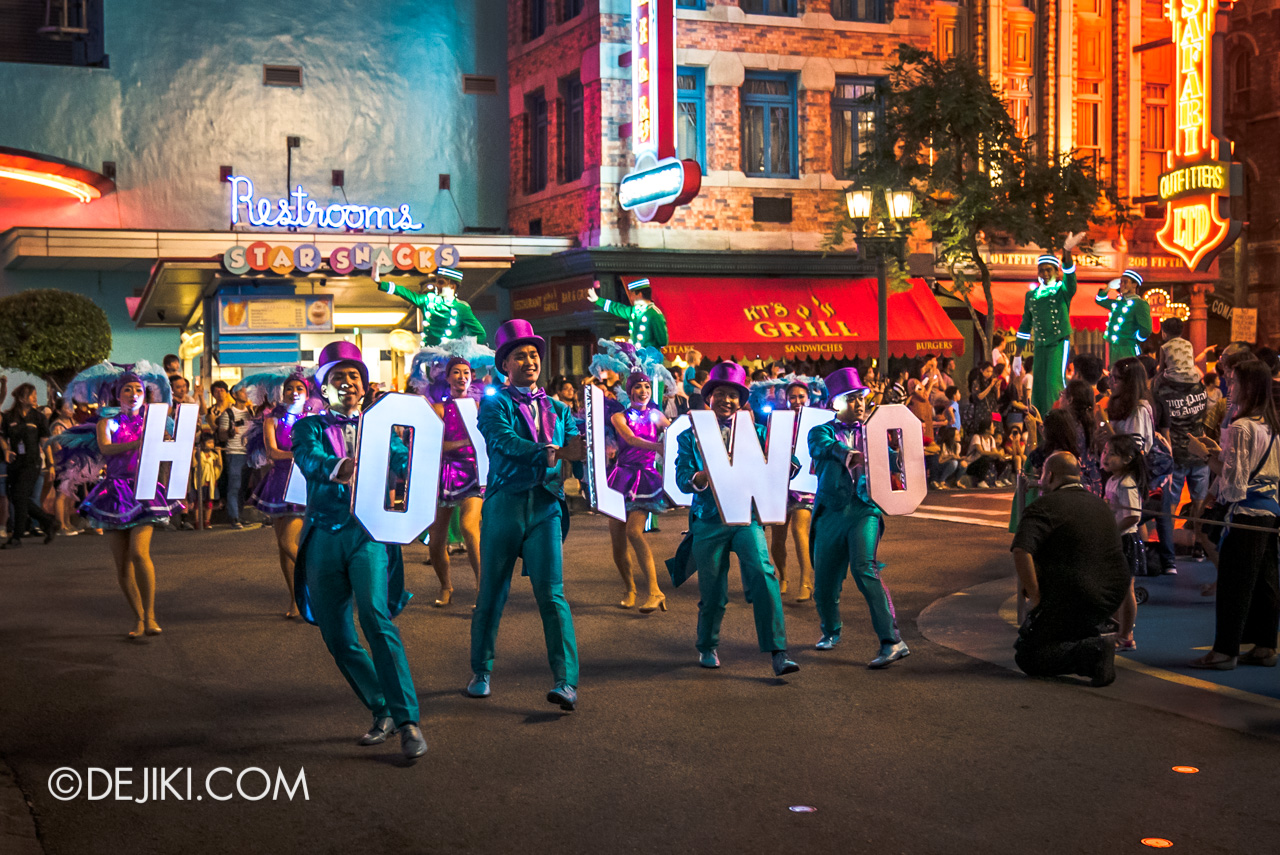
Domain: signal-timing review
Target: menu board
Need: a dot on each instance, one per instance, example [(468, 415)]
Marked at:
[(243, 315)]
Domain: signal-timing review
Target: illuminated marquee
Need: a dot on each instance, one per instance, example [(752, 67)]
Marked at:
[(660, 181), (1163, 307), (1197, 188), (292, 212), (260, 256)]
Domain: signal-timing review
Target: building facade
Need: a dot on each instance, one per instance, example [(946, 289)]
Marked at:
[(770, 103), (160, 107)]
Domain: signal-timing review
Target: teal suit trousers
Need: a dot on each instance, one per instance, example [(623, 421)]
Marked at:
[(526, 525), (843, 539), (712, 543), (342, 566)]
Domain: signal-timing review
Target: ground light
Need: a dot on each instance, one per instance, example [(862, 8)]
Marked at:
[(1157, 842), (1186, 770)]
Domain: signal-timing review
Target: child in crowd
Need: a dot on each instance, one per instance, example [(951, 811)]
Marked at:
[(1177, 356), (953, 406), (985, 461), (1015, 447), (1211, 388), (1126, 485), (949, 457), (205, 471)]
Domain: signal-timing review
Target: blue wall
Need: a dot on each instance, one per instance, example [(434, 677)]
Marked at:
[(381, 99)]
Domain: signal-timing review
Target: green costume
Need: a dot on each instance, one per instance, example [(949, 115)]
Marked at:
[(1128, 324), (442, 318), (711, 542), (646, 325), (338, 562), (1046, 319), (524, 516), (845, 534)]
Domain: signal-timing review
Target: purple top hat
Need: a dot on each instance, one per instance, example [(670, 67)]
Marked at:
[(340, 351), (843, 382), (727, 374), (517, 332)]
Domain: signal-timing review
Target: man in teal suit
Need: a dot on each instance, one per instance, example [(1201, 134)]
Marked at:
[(338, 561), (527, 433), (711, 539), (847, 524)]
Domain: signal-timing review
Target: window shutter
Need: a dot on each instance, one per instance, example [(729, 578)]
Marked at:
[(561, 140), (526, 165), (888, 10)]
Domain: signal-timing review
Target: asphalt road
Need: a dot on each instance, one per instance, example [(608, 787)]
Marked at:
[(938, 754)]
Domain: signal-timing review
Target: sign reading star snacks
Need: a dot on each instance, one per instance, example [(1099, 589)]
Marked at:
[(1201, 178), (660, 180)]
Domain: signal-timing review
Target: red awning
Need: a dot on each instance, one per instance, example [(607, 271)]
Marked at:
[(1010, 299), (799, 318)]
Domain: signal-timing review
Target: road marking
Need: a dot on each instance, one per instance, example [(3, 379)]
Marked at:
[(955, 519), (1196, 683), (945, 509)]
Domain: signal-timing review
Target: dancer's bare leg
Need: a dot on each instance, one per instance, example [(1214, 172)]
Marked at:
[(144, 574), (800, 519), (622, 560), (288, 532), (118, 541), (438, 544)]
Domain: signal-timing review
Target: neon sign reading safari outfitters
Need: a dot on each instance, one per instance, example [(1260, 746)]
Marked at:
[(292, 212), (1200, 180)]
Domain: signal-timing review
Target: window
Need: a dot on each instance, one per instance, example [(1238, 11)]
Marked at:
[(535, 106), (1089, 120), (69, 33), (691, 4), (536, 21), (855, 112), (691, 118), (572, 129), (858, 10), (570, 9), (769, 125), (1155, 135), (1017, 96), (769, 7), (1240, 83)]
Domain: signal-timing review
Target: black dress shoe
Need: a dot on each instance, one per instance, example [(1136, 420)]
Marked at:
[(53, 529), (11, 543), (412, 743)]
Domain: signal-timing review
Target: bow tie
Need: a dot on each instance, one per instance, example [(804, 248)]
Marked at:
[(340, 419), (526, 396)]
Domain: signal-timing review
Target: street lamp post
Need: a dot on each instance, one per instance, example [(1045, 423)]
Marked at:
[(887, 237)]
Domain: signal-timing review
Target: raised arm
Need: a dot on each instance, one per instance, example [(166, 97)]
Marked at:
[(416, 299)]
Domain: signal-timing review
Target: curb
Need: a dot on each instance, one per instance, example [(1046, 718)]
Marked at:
[(973, 622)]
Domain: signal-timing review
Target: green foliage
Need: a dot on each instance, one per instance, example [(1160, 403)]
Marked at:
[(949, 136), (52, 334)]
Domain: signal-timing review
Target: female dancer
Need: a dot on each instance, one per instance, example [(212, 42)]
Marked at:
[(460, 485), (277, 427), (799, 513), (639, 428), (111, 504)]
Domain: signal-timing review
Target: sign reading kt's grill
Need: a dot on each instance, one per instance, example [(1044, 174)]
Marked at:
[(660, 181)]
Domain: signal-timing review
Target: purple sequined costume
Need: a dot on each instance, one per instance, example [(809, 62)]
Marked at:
[(459, 473), (635, 474), (110, 504), (269, 496)]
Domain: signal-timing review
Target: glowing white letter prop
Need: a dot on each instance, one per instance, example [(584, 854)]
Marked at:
[(885, 419), (177, 452), (600, 495), (810, 417), (295, 489), (678, 497), (744, 472), (373, 457), (470, 412)]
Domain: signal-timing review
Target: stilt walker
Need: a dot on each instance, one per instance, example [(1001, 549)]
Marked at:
[(1046, 320), (338, 561), (847, 524), (444, 316), (710, 540), (1128, 316), (527, 433)]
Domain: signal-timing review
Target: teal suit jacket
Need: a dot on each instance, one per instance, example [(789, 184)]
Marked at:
[(517, 461), (318, 445), (836, 487)]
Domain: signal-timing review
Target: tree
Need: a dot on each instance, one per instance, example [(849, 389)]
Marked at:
[(52, 334), (948, 135)]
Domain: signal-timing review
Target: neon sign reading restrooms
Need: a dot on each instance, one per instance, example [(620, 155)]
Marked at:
[(302, 212)]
